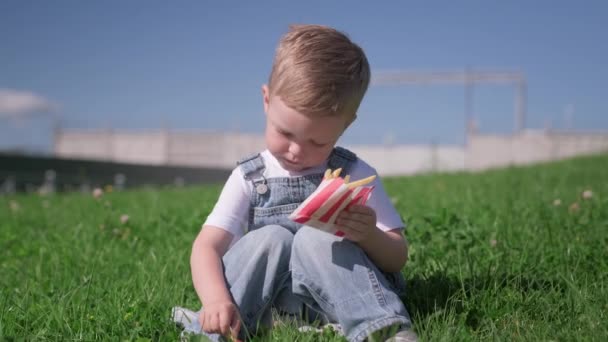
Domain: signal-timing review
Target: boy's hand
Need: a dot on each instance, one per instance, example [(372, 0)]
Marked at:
[(221, 318), (358, 223)]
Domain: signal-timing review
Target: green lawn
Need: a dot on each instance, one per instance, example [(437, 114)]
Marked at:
[(492, 257)]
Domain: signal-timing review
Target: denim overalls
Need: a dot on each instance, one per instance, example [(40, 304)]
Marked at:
[(279, 263), (272, 200)]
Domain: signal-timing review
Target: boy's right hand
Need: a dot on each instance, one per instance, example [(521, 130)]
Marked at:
[(221, 318)]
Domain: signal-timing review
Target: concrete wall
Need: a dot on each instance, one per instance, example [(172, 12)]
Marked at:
[(209, 149), (160, 147), (212, 149), (489, 151), (410, 159), (119, 146), (96, 145)]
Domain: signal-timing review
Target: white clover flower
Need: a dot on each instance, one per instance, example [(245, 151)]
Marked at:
[(97, 193), (587, 194)]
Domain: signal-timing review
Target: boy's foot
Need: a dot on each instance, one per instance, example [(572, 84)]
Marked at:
[(183, 317), (335, 327), (303, 326), (404, 336), (397, 333), (192, 331)]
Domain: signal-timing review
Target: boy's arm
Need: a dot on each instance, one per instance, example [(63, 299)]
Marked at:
[(212, 242), (387, 249), (206, 264), (220, 314)]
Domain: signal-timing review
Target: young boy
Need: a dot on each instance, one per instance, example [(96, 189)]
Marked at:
[(249, 257)]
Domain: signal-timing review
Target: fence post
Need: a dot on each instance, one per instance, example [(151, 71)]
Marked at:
[(119, 181), (48, 185), (9, 186)]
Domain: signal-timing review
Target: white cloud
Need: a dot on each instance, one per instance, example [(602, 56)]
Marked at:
[(15, 104)]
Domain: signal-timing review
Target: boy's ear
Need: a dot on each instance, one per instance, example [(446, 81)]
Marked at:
[(350, 121), (265, 97)]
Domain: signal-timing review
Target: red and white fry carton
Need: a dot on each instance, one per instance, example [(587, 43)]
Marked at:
[(335, 194)]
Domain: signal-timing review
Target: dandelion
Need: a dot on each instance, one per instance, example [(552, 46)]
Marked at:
[(587, 194), (124, 218), (574, 207), (14, 206), (557, 202), (126, 233), (97, 193), (44, 191), (440, 186)]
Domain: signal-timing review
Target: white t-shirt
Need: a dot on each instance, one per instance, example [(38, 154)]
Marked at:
[(231, 212)]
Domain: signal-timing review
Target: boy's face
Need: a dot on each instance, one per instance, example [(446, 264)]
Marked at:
[(296, 140)]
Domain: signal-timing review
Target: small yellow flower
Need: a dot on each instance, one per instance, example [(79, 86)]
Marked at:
[(557, 202), (14, 206), (126, 234), (574, 207)]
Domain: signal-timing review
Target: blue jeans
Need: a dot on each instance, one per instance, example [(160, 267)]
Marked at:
[(333, 278)]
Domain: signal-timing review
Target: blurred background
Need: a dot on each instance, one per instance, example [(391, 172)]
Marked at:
[(128, 93)]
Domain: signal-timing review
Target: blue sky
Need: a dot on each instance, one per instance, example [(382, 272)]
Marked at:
[(200, 65)]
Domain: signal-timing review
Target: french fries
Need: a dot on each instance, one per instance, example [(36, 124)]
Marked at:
[(334, 195), (361, 182), (336, 173)]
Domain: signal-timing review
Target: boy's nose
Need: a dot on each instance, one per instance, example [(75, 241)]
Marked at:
[(295, 150)]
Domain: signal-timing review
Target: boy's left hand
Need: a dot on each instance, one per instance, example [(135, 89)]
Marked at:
[(358, 223)]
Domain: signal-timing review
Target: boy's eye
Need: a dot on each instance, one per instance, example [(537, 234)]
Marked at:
[(285, 134), (316, 144)]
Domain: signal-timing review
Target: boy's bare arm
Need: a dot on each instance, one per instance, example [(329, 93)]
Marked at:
[(220, 314), (388, 250), (206, 264)]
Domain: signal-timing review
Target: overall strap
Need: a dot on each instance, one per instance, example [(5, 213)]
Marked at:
[(251, 165), (341, 158)]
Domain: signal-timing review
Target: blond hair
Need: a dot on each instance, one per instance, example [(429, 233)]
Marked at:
[(318, 70)]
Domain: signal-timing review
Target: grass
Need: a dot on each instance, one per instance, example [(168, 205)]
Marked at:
[(491, 258)]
